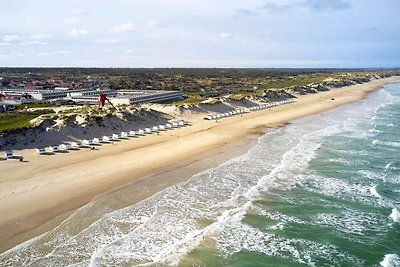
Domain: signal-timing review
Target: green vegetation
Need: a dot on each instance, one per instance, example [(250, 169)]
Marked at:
[(34, 105), (236, 97), (191, 98), (19, 119)]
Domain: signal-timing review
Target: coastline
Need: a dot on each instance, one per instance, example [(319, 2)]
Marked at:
[(44, 188)]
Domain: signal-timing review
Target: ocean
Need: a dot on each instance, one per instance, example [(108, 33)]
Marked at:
[(320, 191)]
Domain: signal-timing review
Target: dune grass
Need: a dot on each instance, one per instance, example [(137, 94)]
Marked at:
[(19, 120)]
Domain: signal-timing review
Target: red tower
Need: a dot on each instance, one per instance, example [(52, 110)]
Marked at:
[(102, 99)]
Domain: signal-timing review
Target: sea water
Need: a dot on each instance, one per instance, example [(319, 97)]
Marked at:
[(321, 191)]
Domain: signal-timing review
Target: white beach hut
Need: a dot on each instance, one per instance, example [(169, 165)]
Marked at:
[(161, 127), (40, 151), (116, 136), (154, 129), (96, 140), (124, 134), (132, 133), (9, 154), (140, 131), (87, 142), (76, 144), (106, 138), (168, 126), (53, 149), (65, 146), (147, 130)]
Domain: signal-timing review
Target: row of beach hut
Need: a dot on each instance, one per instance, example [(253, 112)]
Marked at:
[(113, 137), (247, 110), (105, 139)]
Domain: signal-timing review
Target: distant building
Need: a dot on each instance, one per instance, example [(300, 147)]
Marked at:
[(15, 98), (128, 97)]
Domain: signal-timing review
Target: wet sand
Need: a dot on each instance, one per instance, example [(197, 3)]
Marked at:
[(38, 194)]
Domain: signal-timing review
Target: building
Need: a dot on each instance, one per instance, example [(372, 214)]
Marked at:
[(85, 96), (128, 97), (146, 96), (16, 98)]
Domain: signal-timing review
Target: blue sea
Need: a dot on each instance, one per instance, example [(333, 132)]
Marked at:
[(320, 191)]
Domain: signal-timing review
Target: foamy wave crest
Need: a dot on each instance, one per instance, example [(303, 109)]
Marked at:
[(337, 188), (352, 222), (386, 143), (395, 215), (390, 260), (374, 192), (237, 237)]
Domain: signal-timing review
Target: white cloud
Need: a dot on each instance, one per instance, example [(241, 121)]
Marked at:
[(106, 41), (33, 42), (4, 43), (124, 27), (71, 21), (128, 51), (225, 35), (155, 24), (53, 53), (77, 32), (40, 36), (9, 38)]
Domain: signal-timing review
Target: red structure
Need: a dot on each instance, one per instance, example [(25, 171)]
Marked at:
[(102, 99)]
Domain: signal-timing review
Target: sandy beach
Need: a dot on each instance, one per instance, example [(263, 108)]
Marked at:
[(37, 194)]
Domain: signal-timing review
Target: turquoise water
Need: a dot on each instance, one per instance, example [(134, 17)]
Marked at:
[(322, 191)]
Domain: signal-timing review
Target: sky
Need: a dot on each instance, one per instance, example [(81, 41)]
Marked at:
[(200, 33)]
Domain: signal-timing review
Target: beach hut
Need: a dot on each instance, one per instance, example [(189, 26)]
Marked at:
[(132, 133), (161, 127), (9, 154), (116, 136), (76, 144), (97, 140), (124, 134), (147, 130), (140, 131), (40, 151), (175, 125), (168, 126), (154, 129), (54, 149), (106, 138), (181, 123), (65, 146), (87, 142)]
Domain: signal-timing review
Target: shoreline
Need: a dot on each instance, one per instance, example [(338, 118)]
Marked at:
[(39, 194)]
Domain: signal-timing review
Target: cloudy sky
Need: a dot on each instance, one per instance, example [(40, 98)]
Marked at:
[(200, 33)]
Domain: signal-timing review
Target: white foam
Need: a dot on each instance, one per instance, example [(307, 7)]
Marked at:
[(352, 222), (388, 166), (395, 215), (374, 192), (390, 260), (386, 143)]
